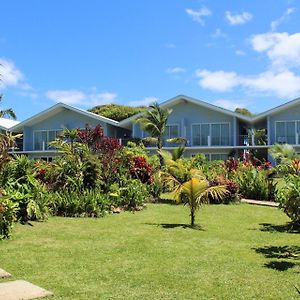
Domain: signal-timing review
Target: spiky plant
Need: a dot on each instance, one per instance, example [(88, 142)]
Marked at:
[(189, 186)]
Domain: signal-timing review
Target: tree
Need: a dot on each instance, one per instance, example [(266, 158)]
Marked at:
[(7, 112), (7, 142), (117, 112), (284, 153), (154, 122), (244, 111), (190, 186)]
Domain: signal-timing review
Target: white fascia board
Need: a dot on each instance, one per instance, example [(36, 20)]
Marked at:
[(62, 105), (173, 101)]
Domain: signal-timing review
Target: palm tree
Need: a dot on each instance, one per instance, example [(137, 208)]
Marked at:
[(284, 153), (154, 122), (189, 186), (7, 112)]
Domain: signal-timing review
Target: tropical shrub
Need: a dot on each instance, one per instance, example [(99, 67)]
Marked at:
[(134, 194), (31, 198), (8, 211), (288, 197), (232, 191), (87, 203), (141, 169), (253, 183)]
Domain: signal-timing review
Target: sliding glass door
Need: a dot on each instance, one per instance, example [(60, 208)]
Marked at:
[(214, 134)]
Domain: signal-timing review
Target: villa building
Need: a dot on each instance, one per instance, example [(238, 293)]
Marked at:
[(208, 129)]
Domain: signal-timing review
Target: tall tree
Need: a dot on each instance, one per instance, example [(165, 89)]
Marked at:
[(6, 112), (116, 111), (244, 111), (154, 122)]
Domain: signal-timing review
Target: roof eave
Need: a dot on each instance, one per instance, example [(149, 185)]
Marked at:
[(63, 105), (174, 100)]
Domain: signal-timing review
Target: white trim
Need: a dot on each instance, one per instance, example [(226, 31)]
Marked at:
[(62, 105), (175, 100), (276, 109)]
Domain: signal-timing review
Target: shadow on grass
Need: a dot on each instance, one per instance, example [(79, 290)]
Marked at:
[(289, 228), (172, 226), (280, 265), (280, 252)]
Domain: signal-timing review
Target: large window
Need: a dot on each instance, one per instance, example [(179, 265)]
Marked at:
[(171, 131), (215, 134), (42, 138), (287, 132)]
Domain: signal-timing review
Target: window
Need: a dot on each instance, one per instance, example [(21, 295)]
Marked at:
[(218, 133), (287, 132), (42, 138), (171, 131)]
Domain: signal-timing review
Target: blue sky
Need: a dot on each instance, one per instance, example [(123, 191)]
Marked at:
[(84, 53)]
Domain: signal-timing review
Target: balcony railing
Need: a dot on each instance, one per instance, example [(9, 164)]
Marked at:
[(253, 140), (292, 139)]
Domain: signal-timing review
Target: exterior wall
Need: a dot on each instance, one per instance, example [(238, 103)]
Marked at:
[(186, 114), (64, 119), (291, 114)]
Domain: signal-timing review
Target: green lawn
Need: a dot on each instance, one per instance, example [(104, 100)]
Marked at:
[(149, 255)]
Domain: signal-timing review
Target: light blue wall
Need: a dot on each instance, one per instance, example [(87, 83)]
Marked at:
[(290, 114), (186, 114), (64, 119)]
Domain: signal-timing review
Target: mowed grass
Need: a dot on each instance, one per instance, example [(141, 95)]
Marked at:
[(150, 255)]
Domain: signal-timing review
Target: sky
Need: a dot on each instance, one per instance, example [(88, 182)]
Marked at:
[(86, 53)]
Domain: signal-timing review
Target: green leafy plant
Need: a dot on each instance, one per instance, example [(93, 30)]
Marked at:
[(288, 197), (8, 211), (189, 186)]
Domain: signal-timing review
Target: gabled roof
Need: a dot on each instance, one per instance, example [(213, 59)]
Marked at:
[(54, 109), (6, 124), (180, 98), (276, 109)]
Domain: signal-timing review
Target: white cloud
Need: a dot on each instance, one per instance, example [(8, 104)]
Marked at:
[(102, 98), (282, 83), (282, 19), (175, 70), (282, 49), (198, 14), (67, 96), (240, 53), (219, 34), (77, 97), (218, 81), (10, 74), (144, 102), (230, 104), (238, 19)]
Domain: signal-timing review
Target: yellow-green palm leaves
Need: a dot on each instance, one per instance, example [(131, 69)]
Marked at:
[(189, 186)]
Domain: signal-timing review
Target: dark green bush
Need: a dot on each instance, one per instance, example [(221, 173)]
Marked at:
[(8, 211), (88, 203), (289, 197)]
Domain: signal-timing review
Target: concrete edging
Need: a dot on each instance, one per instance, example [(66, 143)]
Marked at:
[(260, 202)]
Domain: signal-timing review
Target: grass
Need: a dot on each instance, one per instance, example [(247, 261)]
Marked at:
[(237, 253)]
